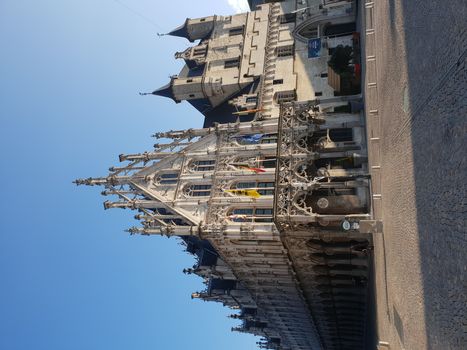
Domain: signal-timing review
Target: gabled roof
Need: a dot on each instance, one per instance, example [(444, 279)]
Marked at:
[(224, 113)]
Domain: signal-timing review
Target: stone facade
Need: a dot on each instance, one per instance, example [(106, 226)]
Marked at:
[(270, 195), (247, 64)]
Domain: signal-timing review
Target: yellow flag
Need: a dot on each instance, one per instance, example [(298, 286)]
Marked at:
[(248, 193)]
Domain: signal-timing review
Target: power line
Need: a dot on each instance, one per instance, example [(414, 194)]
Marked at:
[(139, 14)]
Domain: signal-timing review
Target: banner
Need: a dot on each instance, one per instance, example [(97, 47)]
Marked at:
[(256, 170)]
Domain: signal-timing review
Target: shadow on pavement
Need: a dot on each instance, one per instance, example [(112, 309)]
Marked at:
[(435, 43)]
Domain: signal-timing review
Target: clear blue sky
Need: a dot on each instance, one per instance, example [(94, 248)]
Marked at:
[(70, 73)]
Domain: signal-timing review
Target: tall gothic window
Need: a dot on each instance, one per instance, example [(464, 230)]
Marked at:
[(203, 165), (257, 162), (263, 188), (251, 215), (167, 179), (171, 221), (268, 162), (269, 138), (198, 190)]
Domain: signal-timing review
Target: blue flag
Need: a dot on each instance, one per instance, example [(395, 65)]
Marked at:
[(252, 138)]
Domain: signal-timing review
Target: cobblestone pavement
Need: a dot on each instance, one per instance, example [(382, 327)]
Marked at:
[(416, 102)]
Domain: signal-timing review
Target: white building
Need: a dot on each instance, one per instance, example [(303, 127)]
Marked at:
[(270, 195)]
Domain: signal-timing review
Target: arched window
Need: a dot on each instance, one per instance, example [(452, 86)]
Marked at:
[(203, 165), (198, 190), (263, 188), (251, 215), (167, 179)]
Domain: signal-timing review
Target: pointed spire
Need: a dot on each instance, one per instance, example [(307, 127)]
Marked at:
[(165, 91), (181, 31)]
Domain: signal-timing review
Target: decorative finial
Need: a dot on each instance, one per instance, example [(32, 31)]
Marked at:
[(81, 182), (133, 231), (145, 93)]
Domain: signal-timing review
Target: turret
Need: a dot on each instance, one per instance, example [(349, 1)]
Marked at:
[(195, 29), (165, 91)]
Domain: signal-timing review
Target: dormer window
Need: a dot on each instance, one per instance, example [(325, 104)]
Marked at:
[(236, 31), (233, 63), (285, 51), (199, 52)]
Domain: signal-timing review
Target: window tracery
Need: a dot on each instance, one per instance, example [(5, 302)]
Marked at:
[(203, 165), (263, 188), (251, 215), (167, 179), (266, 162), (198, 190)]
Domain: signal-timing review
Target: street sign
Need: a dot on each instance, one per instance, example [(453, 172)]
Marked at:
[(314, 48)]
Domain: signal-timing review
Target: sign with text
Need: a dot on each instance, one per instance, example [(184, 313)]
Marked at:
[(314, 48)]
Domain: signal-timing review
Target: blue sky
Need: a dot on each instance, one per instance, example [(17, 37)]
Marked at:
[(70, 73)]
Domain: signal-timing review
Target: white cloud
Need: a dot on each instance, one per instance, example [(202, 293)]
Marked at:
[(239, 6)]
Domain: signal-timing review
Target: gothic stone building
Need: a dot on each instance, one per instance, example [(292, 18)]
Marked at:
[(271, 195)]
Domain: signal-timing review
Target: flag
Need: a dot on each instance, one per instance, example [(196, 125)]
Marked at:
[(247, 167), (248, 193), (256, 170), (251, 138), (249, 111), (238, 217)]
